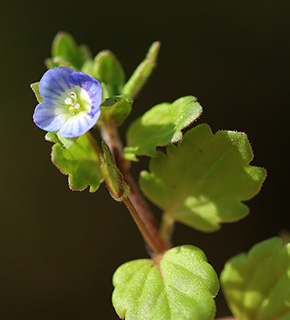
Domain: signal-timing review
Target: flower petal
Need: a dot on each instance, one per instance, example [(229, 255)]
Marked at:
[(91, 86), (79, 124), (47, 117), (54, 83)]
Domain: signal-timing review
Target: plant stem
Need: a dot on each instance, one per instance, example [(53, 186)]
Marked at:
[(110, 135), (144, 211), (143, 229)]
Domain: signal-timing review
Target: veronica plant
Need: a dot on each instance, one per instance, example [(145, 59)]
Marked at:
[(202, 182)]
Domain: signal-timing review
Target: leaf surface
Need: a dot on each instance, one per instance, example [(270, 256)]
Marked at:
[(180, 285), (116, 109), (257, 284), (140, 76), (66, 52), (35, 88), (160, 126), (80, 162), (108, 69), (202, 181)]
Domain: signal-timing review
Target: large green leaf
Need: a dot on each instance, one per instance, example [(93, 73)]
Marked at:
[(180, 285), (202, 181), (257, 284), (80, 162), (160, 126)]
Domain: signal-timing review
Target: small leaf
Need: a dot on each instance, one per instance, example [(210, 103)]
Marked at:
[(257, 284), (160, 126), (142, 72), (202, 181), (116, 108), (57, 138), (67, 142), (80, 162), (116, 185), (35, 88), (109, 70), (179, 285), (52, 137), (65, 52)]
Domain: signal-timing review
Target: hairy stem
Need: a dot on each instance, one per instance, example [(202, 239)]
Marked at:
[(143, 229), (110, 135)]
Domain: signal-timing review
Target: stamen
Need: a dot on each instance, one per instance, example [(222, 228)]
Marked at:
[(68, 101), (73, 95)]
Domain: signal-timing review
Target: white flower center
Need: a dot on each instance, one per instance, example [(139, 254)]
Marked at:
[(77, 101)]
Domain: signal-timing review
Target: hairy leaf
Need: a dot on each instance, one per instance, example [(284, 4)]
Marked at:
[(57, 138), (35, 88), (257, 285), (202, 181), (142, 72), (116, 185), (108, 69), (160, 126), (80, 162), (180, 285), (65, 52), (116, 109)]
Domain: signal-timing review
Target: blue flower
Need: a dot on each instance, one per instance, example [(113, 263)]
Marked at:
[(71, 102)]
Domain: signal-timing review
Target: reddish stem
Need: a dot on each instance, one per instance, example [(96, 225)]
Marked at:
[(111, 136)]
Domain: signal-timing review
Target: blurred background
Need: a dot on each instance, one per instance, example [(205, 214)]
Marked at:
[(59, 249)]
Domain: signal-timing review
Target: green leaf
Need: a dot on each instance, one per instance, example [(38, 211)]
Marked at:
[(116, 185), (160, 126), (180, 285), (35, 88), (65, 52), (109, 70), (116, 108), (57, 138), (202, 181), (80, 162), (257, 285), (142, 72)]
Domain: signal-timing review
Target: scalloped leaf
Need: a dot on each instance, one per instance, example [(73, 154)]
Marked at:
[(257, 285), (202, 181), (80, 162), (180, 285), (160, 126)]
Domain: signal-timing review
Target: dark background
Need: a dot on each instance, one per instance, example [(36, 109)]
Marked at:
[(59, 249)]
